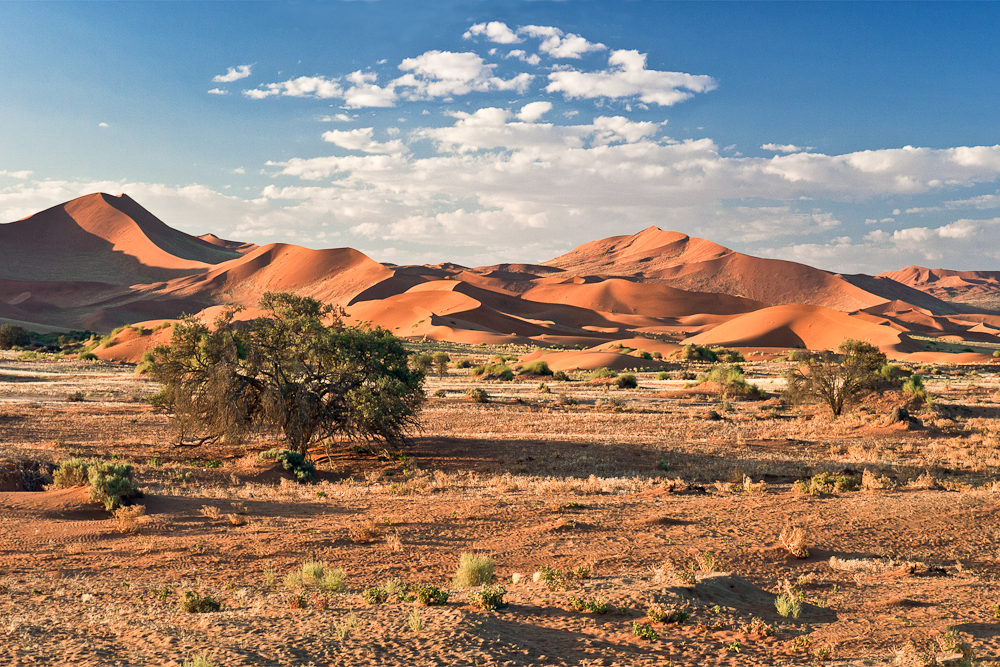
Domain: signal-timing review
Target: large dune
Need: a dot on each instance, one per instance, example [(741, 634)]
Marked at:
[(101, 261), (976, 288)]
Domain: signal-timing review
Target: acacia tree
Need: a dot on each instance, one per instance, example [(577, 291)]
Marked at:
[(838, 379), (290, 371)]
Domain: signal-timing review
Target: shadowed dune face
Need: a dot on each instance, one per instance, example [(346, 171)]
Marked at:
[(975, 288), (100, 261)]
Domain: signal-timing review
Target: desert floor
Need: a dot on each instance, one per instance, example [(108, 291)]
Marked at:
[(641, 488)]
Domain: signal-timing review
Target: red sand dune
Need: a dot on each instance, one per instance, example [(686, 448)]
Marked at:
[(972, 287), (101, 261)]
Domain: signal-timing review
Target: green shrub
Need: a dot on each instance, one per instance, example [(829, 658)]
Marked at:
[(494, 372), (440, 360), (463, 363), (659, 614), (489, 598), (428, 595), (478, 395), (291, 461), (421, 362), (561, 376), (996, 353), (374, 595), (198, 660), (697, 353), (539, 367), (70, 473), (473, 570), (727, 356), (598, 606), (663, 375), (194, 603), (88, 356), (889, 374), (826, 483), (111, 483), (644, 631), (914, 388), (787, 606), (602, 373), (12, 335), (730, 380), (798, 355), (627, 381)]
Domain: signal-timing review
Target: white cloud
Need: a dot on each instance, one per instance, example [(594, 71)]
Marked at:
[(786, 148), (304, 86), (339, 118), (102, 125), (627, 76), (16, 174), (361, 140), (532, 111), (218, 91), (444, 73), (982, 202), (559, 45), (495, 31), (523, 56), (233, 74)]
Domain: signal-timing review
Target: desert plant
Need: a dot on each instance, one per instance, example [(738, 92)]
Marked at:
[(626, 381), (195, 603), (730, 380), (913, 387), (198, 660), (478, 395), (539, 367), (414, 621), (428, 595), (644, 631), (787, 606), (88, 356), (473, 570), (288, 371), (657, 613), (489, 597), (292, 461), (440, 360), (70, 473), (374, 595), (126, 519), (111, 484), (552, 578), (421, 362), (697, 353), (494, 372), (598, 606), (560, 376), (12, 335), (837, 379), (663, 375), (795, 540), (364, 531), (602, 373)]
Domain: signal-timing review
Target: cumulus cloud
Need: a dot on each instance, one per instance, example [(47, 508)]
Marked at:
[(361, 140), (304, 86), (785, 148), (628, 77), (218, 91), (557, 44), (495, 31), (233, 74), (981, 202), (338, 118), (444, 73), (16, 174), (523, 56), (532, 111), (102, 125)]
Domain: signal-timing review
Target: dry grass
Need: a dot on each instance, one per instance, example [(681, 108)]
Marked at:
[(127, 518), (364, 531), (794, 539)]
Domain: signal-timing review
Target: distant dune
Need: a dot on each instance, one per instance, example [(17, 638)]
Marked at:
[(102, 261)]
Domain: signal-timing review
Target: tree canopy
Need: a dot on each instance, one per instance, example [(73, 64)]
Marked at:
[(838, 379), (298, 370)]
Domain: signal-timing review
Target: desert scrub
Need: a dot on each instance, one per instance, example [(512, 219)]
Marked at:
[(317, 574), (494, 372), (111, 484), (730, 381), (794, 539), (374, 595), (489, 598), (70, 473), (826, 483), (539, 367), (598, 606), (195, 603), (603, 373), (553, 579), (428, 595), (415, 621), (787, 605), (626, 381), (473, 570), (659, 614), (198, 660), (478, 395), (291, 461), (914, 388), (644, 631)]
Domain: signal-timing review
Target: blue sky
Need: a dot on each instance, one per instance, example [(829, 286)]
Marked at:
[(851, 136)]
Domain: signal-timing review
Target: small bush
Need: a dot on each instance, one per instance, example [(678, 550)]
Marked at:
[(111, 484), (602, 373), (291, 461), (194, 603), (659, 614), (560, 376), (644, 631), (727, 356), (374, 595), (414, 621), (75, 397), (787, 606), (428, 595), (441, 360), (697, 353), (626, 381), (198, 660), (795, 540), (473, 570), (826, 483), (494, 372), (539, 367), (12, 335), (914, 388), (730, 381), (598, 606), (478, 395), (463, 363), (663, 375), (489, 598), (70, 473), (88, 356)]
